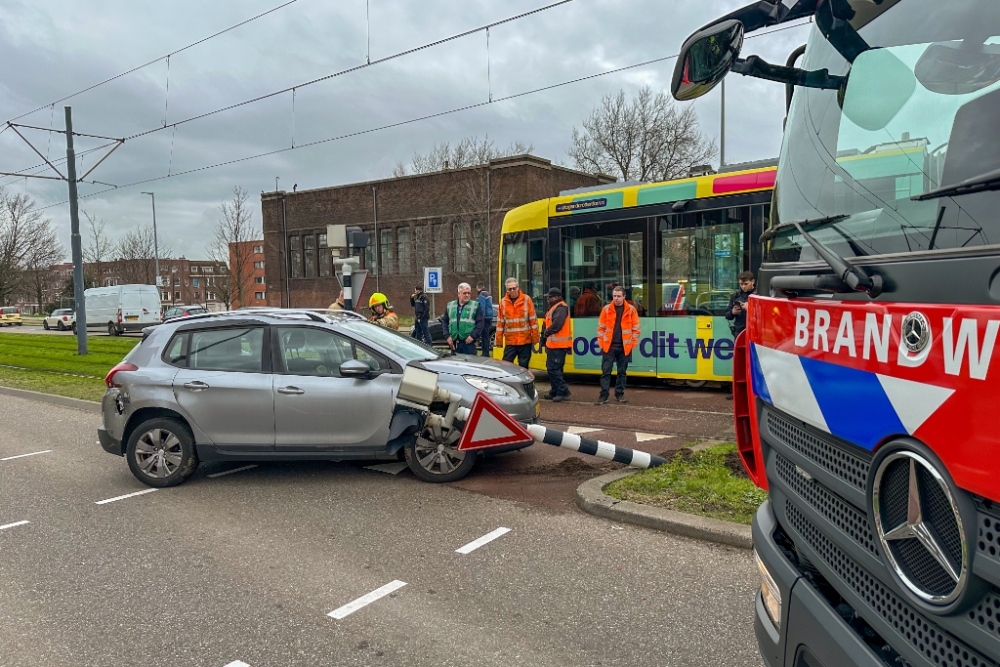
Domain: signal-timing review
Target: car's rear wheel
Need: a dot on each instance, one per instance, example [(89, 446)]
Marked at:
[(74, 328), (161, 452), (45, 325), (433, 462), (112, 329), (60, 326)]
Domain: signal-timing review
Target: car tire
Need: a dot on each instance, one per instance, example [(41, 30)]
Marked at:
[(61, 326), (45, 325), (449, 466), (161, 452), (112, 329), (74, 328)]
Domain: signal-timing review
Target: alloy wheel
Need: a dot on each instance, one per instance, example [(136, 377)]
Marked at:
[(158, 453)]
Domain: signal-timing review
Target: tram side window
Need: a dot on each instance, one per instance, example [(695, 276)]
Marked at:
[(524, 259), (593, 264), (701, 255)]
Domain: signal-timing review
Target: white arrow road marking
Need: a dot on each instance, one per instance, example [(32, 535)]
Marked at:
[(127, 495), (646, 437), (21, 456), (391, 468), (230, 472), (11, 525), (237, 663), (485, 539), (577, 430), (365, 600)]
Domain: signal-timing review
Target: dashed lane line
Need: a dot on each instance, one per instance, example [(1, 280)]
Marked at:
[(230, 472), (127, 495), (365, 600), (12, 525), (237, 663), (485, 539), (21, 456)]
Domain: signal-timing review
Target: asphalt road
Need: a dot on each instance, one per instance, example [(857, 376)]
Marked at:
[(245, 568)]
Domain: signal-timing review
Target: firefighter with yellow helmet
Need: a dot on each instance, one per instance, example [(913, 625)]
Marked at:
[(382, 313)]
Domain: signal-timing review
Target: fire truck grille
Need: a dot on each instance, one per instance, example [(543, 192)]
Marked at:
[(841, 513), (922, 636), (835, 460)]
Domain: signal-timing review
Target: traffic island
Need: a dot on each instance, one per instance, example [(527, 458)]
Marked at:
[(700, 494)]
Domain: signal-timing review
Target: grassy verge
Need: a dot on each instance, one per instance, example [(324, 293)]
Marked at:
[(40, 360), (704, 482)]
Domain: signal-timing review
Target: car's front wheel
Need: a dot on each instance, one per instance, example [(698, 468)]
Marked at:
[(161, 452), (45, 324), (438, 462)]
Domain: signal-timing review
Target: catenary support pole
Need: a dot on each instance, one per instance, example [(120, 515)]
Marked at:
[(79, 300)]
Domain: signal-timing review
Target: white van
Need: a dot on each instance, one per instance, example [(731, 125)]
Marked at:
[(122, 308)]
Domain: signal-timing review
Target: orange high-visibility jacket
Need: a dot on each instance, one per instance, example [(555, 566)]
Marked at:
[(630, 327), (517, 323), (562, 338)]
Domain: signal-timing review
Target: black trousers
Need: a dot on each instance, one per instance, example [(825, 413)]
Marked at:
[(520, 353), (614, 356), (487, 340), (554, 361), (421, 331)]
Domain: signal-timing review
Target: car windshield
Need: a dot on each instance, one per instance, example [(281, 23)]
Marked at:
[(910, 121), (392, 341)]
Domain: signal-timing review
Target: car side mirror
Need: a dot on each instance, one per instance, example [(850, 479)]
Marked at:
[(706, 58), (352, 368)]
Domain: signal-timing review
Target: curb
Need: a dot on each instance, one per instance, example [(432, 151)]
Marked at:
[(590, 497), (52, 399)]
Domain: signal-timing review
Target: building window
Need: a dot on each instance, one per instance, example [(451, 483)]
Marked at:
[(296, 255), (324, 257), (258, 265), (259, 249), (195, 282), (260, 295), (177, 282), (197, 296), (371, 259), (173, 269), (421, 246), (177, 296), (165, 296), (309, 245), (440, 235), (258, 280), (460, 232), (403, 250), (194, 269), (210, 296), (386, 250)]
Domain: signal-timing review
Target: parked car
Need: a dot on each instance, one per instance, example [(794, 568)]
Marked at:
[(183, 311), (122, 308), (10, 315), (61, 319), (287, 385)]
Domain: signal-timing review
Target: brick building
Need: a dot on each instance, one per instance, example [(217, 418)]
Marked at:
[(449, 218), (247, 258)]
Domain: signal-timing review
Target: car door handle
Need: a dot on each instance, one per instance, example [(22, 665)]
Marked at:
[(291, 390), (197, 385)]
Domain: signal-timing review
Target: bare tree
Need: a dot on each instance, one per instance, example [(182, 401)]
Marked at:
[(235, 234), (482, 207), (134, 256), (99, 249), (19, 223), (44, 250), (469, 152), (644, 139)]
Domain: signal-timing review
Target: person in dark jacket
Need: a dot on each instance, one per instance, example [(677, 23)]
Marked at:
[(736, 312), (557, 340), (421, 312), (486, 305)]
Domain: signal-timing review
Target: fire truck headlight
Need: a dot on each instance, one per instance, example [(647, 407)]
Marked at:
[(770, 593)]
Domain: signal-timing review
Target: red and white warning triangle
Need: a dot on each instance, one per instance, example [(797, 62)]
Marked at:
[(489, 425)]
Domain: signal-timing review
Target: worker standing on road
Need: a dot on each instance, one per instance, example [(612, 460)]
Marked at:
[(382, 313), (557, 339), (517, 325), (486, 305), (339, 303), (736, 313), (421, 312), (463, 321), (618, 333)]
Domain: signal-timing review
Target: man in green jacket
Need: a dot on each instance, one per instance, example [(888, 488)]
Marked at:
[(463, 321)]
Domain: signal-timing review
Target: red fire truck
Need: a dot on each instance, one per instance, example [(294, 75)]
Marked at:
[(866, 389)]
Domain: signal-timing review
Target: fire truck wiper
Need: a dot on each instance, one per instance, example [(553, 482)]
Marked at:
[(982, 183), (850, 275)]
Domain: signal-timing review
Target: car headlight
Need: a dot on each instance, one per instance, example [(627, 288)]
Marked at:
[(491, 386), (769, 593)]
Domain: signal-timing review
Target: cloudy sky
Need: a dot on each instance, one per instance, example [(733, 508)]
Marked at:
[(49, 50)]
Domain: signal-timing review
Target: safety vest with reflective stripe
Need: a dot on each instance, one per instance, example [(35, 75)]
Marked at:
[(562, 338), (461, 328), (630, 327), (517, 323)]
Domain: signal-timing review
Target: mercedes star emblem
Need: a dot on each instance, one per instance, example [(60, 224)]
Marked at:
[(916, 332)]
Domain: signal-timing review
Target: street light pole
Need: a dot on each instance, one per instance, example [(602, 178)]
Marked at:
[(156, 246)]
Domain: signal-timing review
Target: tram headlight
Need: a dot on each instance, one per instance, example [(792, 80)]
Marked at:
[(769, 593)]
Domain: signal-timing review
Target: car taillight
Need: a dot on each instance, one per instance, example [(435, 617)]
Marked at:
[(185, 313), (119, 316), (110, 380), (65, 319), (145, 312)]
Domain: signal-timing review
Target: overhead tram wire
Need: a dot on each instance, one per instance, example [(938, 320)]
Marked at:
[(410, 121), (153, 62)]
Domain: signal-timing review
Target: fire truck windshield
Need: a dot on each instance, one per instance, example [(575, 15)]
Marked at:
[(918, 113)]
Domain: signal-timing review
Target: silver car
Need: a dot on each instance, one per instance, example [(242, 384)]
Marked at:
[(285, 385)]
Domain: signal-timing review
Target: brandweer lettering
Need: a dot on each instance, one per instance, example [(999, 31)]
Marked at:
[(816, 331), (662, 345)]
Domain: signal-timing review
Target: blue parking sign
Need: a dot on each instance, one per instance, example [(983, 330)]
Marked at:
[(432, 280)]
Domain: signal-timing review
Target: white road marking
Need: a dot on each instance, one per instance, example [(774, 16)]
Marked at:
[(21, 456), (485, 539), (391, 468), (366, 600), (230, 472), (577, 430), (646, 437), (237, 663), (127, 495), (11, 525)]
